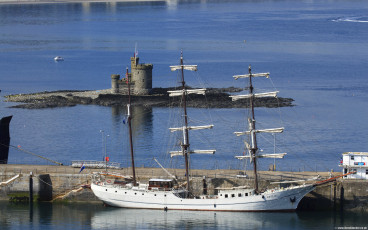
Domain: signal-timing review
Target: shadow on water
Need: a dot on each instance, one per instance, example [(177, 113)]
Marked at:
[(142, 128), (142, 117)]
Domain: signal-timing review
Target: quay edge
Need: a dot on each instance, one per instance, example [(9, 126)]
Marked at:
[(63, 183)]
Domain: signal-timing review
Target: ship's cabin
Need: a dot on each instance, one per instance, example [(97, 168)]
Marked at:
[(160, 184), (232, 193)]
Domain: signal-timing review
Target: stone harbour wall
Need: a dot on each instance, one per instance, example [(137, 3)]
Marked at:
[(64, 183)]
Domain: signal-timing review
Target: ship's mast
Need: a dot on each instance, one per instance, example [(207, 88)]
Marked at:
[(253, 149), (252, 129), (130, 129), (185, 144), (185, 151)]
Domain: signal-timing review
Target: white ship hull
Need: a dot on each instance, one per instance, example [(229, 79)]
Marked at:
[(278, 200)]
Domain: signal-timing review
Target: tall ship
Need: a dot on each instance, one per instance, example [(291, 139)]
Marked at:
[(168, 194)]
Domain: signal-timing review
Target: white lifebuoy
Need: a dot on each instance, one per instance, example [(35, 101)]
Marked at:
[(108, 181)]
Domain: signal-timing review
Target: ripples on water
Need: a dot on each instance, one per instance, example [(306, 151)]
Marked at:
[(351, 19)]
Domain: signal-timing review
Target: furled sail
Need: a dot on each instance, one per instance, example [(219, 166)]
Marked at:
[(259, 95), (267, 75), (275, 130), (174, 93), (271, 155), (192, 128), (186, 67), (180, 153)]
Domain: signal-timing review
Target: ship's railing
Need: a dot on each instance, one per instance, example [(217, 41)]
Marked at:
[(95, 164)]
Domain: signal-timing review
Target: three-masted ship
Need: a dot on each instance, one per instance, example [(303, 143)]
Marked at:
[(163, 194)]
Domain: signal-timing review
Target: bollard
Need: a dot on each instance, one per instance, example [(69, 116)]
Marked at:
[(30, 197), (30, 189)]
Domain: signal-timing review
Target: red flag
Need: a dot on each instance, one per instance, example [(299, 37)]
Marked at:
[(107, 159)]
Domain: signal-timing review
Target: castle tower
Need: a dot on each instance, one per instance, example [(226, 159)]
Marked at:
[(115, 83), (141, 76)]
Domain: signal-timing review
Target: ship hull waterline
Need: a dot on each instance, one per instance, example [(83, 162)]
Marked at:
[(276, 201)]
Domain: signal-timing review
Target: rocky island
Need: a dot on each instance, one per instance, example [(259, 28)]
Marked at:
[(143, 94), (214, 98)]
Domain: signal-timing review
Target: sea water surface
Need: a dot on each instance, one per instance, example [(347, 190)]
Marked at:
[(94, 216), (316, 52)]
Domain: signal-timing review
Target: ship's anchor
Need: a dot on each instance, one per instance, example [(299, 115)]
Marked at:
[(292, 200)]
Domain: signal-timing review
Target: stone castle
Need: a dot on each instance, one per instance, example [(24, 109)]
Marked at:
[(140, 79)]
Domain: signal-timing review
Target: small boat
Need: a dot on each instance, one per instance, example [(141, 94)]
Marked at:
[(165, 194), (58, 58)]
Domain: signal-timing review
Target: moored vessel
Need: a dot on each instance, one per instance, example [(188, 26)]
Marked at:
[(169, 194)]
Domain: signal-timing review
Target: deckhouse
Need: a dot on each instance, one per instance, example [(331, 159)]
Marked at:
[(355, 161)]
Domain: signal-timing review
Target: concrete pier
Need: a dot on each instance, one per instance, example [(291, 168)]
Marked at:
[(64, 183)]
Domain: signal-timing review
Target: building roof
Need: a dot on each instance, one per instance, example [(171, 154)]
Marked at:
[(356, 153)]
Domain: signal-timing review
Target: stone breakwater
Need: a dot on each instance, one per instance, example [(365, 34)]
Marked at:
[(214, 98), (64, 183)]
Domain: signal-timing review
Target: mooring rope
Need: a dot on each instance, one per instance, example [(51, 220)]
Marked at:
[(31, 153)]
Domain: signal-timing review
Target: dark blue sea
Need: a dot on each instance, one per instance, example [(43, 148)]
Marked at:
[(316, 52)]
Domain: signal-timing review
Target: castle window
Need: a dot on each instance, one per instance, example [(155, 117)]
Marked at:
[(226, 195), (239, 194), (232, 195), (352, 158)]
